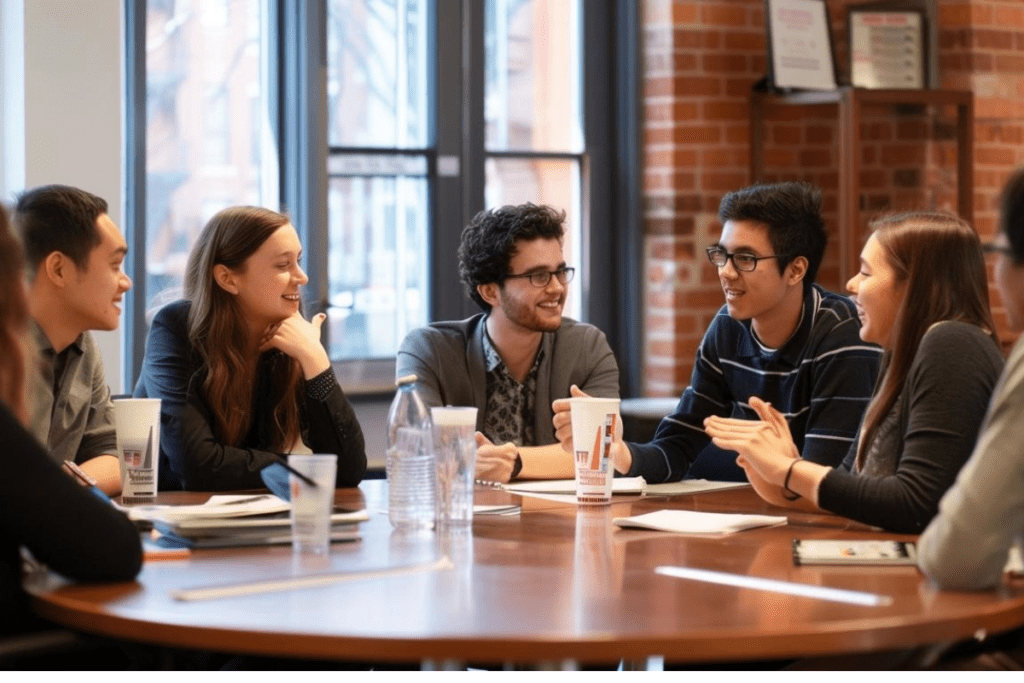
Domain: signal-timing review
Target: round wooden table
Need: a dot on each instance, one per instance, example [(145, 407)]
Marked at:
[(554, 583)]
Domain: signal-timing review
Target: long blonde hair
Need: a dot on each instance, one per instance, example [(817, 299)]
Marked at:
[(13, 321)]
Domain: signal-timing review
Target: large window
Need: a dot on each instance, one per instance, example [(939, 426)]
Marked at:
[(208, 140), (378, 104), (382, 127)]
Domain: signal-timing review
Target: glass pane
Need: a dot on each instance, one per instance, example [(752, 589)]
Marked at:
[(555, 182), (208, 136), (532, 89), (378, 264), (377, 87)]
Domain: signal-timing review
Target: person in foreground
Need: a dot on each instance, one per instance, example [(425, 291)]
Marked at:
[(779, 336), (965, 546), (922, 295), (42, 508), (74, 254), (515, 358), (242, 375)]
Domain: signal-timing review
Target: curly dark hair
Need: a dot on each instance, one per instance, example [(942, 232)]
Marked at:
[(489, 242), (792, 212)]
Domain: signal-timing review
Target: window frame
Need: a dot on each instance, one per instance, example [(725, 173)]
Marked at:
[(611, 252)]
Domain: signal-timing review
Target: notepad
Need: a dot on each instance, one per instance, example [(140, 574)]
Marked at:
[(690, 522), (853, 552)]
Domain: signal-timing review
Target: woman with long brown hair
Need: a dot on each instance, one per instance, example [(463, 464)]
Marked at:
[(242, 375), (922, 295), (41, 508)]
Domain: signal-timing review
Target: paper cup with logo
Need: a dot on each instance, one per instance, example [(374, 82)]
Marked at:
[(137, 421), (594, 421)]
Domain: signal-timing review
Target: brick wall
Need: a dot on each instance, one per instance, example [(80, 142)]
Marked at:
[(701, 59)]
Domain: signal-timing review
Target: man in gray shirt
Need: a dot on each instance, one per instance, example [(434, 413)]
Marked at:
[(74, 254), (518, 356)]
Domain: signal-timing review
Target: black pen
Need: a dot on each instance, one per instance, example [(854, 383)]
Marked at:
[(309, 482)]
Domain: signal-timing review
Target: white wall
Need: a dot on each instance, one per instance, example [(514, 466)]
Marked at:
[(61, 87)]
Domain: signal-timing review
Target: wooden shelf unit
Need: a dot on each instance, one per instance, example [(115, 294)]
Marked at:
[(850, 102)]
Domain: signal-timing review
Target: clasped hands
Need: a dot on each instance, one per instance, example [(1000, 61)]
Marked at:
[(765, 448)]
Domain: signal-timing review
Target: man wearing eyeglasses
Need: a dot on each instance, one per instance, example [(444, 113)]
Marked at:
[(514, 359), (779, 337)]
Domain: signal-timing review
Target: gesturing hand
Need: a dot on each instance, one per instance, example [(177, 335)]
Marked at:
[(300, 339), (765, 444), (494, 463)]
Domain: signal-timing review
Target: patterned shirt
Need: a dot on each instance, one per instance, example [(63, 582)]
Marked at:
[(510, 404)]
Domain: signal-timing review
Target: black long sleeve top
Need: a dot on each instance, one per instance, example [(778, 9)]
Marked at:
[(192, 457), (63, 525)]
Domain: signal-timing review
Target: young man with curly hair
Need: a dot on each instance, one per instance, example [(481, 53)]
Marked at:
[(518, 356)]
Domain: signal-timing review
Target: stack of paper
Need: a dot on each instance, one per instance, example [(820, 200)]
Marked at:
[(690, 522), (227, 521)]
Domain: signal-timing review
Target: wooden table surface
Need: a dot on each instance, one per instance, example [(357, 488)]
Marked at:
[(556, 582)]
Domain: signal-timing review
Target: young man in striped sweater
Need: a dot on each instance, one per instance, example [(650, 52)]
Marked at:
[(779, 337)]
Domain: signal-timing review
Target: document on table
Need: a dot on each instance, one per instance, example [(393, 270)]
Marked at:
[(217, 507), (678, 488), (564, 490), (690, 522)]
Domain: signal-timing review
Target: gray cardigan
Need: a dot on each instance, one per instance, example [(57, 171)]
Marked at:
[(448, 358)]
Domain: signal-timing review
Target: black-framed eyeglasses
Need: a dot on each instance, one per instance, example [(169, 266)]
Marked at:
[(742, 262), (993, 248), (541, 278)]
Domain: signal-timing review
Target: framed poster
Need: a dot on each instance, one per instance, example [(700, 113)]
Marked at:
[(800, 45), (887, 47)]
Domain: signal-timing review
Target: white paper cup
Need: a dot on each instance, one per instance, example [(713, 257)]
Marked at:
[(594, 421), (455, 463), (312, 505), (137, 421)]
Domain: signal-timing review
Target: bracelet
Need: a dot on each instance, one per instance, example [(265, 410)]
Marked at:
[(785, 484), (319, 388), (517, 467)]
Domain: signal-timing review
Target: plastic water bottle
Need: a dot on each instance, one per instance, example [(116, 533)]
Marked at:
[(409, 461)]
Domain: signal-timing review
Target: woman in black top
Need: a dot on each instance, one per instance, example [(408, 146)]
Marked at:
[(922, 295), (41, 508), (242, 375)]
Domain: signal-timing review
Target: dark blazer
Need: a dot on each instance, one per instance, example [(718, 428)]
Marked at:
[(191, 456)]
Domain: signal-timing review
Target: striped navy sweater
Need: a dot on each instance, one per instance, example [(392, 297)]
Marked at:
[(821, 380)]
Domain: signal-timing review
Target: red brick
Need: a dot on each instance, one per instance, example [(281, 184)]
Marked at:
[(684, 12), (752, 41), (877, 130), (724, 181), (1010, 63), (679, 225), (724, 14), (696, 85), (958, 14), (1002, 156), (911, 130), (700, 135), (726, 111), (728, 63), (737, 134), (993, 40), (816, 157), (819, 134), (873, 179), (694, 39), (901, 155), (786, 135), (1008, 17), (777, 156)]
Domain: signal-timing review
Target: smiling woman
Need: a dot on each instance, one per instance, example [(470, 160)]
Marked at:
[(242, 374), (922, 295)]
